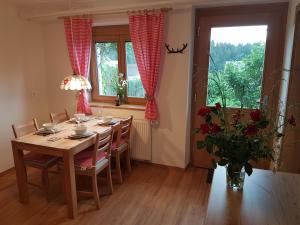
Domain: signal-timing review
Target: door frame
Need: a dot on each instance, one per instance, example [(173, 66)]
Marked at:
[(274, 15)]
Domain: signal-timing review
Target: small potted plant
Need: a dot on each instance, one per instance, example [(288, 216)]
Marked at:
[(235, 142), (119, 84)]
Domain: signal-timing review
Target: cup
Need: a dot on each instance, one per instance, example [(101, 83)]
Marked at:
[(107, 119), (80, 129)]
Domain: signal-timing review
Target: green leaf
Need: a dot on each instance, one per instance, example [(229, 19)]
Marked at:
[(248, 169), (209, 148), (263, 124), (279, 135), (223, 162), (197, 130), (208, 119), (200, 144), (214, 163), (218, 154), (214, 110)]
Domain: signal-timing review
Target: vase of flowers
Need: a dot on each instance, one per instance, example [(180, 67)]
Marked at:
[(238, 140), (119, 84), (235, 179)]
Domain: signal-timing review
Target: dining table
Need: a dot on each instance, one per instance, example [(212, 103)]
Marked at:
[(267, 198), (57, 144)]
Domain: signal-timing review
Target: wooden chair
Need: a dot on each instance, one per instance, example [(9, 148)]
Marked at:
[(121, 144), (59, 117), (92, 162), (39, 161)]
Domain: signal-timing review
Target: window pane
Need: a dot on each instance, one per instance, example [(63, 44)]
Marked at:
[(236, 65), (107, 65), (135, 87)]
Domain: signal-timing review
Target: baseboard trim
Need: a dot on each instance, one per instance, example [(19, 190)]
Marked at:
[(7, 171)]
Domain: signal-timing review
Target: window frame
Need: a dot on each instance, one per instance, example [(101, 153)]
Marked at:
[(120, 35)]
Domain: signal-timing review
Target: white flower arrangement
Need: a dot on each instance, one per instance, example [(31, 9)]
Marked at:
[(119, 84)]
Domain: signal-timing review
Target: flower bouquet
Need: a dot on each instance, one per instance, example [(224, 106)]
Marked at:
[(119, 84), (239, 139)]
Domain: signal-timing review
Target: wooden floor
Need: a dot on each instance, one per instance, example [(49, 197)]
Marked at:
[(154, 195)]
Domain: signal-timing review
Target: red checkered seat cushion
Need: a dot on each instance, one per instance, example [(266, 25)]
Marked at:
[(84, 159)]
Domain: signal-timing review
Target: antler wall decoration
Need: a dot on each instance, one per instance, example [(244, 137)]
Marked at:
[(173, 51)]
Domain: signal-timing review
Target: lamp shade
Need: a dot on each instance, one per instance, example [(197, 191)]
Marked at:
[(75, 82)]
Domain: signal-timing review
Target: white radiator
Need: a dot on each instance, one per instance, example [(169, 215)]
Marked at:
[(140, 142)]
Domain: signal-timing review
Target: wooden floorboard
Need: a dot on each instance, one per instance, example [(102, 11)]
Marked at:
[(150, 195)]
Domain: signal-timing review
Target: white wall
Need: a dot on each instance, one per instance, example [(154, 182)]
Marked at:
[(22, 79), (57, 67), (170, 138)]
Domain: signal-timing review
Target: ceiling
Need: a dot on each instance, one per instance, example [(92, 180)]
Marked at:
[(35, 9)]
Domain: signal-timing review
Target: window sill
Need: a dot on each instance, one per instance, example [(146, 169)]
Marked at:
[(113, 106)]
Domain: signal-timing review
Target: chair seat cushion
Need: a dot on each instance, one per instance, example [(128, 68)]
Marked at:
[(123, 143), (84, 159), (40, 159)]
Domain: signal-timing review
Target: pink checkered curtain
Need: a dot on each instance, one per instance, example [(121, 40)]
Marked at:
[(79, 40), (147, 32)]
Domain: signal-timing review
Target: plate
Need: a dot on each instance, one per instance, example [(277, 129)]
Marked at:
[(111, 123), (44, 131), (79, 136)]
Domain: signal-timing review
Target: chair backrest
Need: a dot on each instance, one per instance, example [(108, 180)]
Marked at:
[(26, 128), (103, 144), (126, 128), (59, 117), (122, 131)]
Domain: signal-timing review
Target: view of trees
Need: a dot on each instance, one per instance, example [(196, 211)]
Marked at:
[(107, 64), (135, 87), (238, 71)]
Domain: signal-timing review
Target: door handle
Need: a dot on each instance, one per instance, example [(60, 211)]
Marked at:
[(265, 102)]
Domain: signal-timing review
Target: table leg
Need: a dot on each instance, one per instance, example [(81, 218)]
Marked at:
[(70, 184), (20, 174)]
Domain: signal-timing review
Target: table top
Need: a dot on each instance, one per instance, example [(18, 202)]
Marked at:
[(267, 199), (63, 142)]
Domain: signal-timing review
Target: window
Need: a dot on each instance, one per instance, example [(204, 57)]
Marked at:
[(237, 65), (113, 54)]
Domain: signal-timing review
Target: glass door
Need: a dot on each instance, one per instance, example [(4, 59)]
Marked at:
[(238, 54), (236, 65)]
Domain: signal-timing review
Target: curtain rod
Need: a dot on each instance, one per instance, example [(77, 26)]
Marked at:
[(89, 15)]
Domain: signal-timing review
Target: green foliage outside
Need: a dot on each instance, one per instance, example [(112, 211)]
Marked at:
[(107, 64), (107, 58), (238, 70), (135, 87)]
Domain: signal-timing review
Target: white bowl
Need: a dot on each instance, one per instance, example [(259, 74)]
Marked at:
[(107, 119), (49, 126), (81, 129)]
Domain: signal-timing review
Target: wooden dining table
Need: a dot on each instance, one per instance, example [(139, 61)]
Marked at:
[(267, 199), (60, 145)]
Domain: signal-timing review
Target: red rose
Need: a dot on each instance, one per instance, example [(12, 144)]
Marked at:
[(218, 106), (66, 81), (215, 128), (292, 121), (204, 128), (204, 111), (251, 130), (256, 115)]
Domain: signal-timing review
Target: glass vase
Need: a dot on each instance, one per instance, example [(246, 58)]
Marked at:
[(120, 100), (235, 179)]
